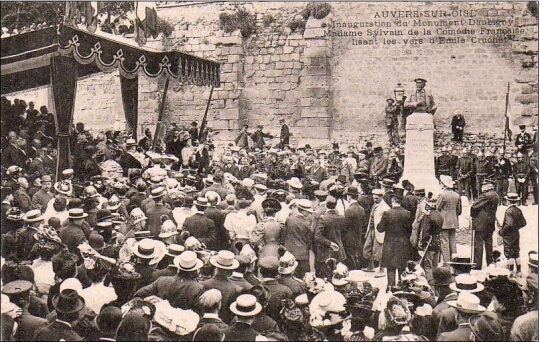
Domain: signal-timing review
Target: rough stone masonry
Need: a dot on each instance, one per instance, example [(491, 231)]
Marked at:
[(330, 80)]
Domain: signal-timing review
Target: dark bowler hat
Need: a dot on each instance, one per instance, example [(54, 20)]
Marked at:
[(271, 203), (103, 215), (522, 126), (68, 301), (442, 276), (486, 328), (420, 79)]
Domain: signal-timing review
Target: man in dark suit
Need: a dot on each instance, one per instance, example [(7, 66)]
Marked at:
[(524, 141), (14, 154), (284, 135), (522, 172), (318, 172), (258, 137), (146, 143), (269, 271), (224, 262), (200, 226), (396, 223), (483, 219), (216, 215), (298, 235), (182, 290), (512, 223), (19, 294), (210, 305), (42, 197), (175, 145), (449, 205), (328, 237), (154, 213), (355, 228), (68, 305), (245, 308), (73, 235)]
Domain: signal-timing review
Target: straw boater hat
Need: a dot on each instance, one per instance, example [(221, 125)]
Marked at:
[(466, 283), (168, 229), (146, 249), (295, 183), (174, 250), (533, 260), (305, 205), (328, 308), (447, 181), (33, 216), (63, 187), (512, 197), (225, 260), (77, 213), (468, 303), (188, 261), (157, 192), (246, 305)]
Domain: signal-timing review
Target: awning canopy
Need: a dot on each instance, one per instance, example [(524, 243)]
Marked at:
[(26, 59)]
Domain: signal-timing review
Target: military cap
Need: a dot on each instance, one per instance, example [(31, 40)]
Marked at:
[(17, 287)]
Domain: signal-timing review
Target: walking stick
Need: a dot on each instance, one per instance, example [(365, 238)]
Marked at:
[(472, 241), (425, 250)]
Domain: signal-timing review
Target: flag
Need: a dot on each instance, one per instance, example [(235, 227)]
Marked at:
[(146, 22), (77, 10), (507, 131)]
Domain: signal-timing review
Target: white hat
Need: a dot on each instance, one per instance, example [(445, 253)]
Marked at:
[(168, 229), (446, 181), (287, 263), (71, 284), (33, 216), (188, 261), (466, 283), (137, 215), (246, 305), (225, 260), (295, 183), (467, 302)]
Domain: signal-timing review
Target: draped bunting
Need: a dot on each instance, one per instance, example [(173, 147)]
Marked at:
[(130, 100), (64, 88), (109, 55)]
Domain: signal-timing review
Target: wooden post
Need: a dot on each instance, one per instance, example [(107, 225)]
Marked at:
[(160, 115)]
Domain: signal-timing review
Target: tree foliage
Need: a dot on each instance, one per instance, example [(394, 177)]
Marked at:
[(17, 14)]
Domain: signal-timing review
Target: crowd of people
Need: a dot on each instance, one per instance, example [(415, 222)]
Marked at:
[(181, 239)]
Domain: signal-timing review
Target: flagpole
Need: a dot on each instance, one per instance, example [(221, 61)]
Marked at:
[(507, 119)]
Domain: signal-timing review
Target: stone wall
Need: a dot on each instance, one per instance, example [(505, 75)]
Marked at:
[(326, 86)]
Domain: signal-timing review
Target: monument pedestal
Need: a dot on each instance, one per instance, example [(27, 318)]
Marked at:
[(419, 166)]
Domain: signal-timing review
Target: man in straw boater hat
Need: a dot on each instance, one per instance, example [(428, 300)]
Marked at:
[(224, 263), (449, 205), (154, 213), (148, 252), (483, 216), (67, 305), (245, 308), (373, 245), (512, 223), (181, 290), (32, 220), (200, 226), (298, 236), (73, 235), (466, 306)]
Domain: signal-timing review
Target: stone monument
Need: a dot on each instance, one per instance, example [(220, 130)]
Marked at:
[(419, 168)]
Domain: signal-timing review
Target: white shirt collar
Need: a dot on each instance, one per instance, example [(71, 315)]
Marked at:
[(211, 315)]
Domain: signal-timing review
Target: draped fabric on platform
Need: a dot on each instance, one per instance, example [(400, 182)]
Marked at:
[(130, 100), (64, 88)]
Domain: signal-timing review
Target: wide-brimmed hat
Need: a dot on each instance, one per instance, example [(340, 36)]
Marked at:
[(446, 181), (419, 192), (533, 259), (63, 187), (174, 250), (77, 213), (68, 301), (157, 192), (137, 215), (512, 197), (294, 182), (486, 328), (145, 249), (467, 302), (33, 216), (168, 229), (246, 305), (287, 263), (340, 275), (442, 276), (328, 308), (225, 260), (466, 283), (188, 261), (142, 234)]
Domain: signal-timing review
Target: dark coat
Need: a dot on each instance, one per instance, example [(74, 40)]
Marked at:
[(284, 135), (355, 226), (23, 199), (240, 332), (213, 321), (397, 224), (262, 322), (296, 285), (278, 292), (181, 292), (203, 229), (328, 230), (56, 331), (222, 236), (320, 174), (28, 324), (12, 155), (72, 236), (483, 212), (431, 227), (229, 292), (298, 235), (169, 271), (40, 199), (462, 333), (154, 218), (513, 221)]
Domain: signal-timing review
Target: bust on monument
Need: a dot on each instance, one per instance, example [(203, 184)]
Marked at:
[(421, 101)]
